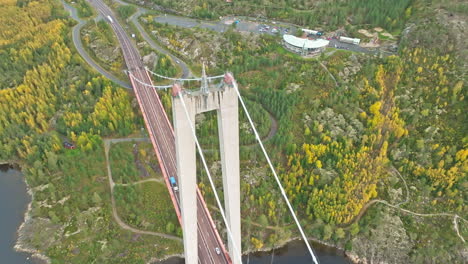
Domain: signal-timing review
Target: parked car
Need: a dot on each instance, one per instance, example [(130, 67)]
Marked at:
[(68, 145), (218, 251)]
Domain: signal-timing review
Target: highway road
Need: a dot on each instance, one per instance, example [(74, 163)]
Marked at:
[(162, 138), (186, 73), (79, 46)]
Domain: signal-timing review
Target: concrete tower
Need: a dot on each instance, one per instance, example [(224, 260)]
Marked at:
[(224, 100)]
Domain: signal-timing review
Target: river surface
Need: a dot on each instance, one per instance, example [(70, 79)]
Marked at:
[(294, 252), (14, 200)]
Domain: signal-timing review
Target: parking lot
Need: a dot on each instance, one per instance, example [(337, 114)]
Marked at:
[(251, 25), (222, 25)]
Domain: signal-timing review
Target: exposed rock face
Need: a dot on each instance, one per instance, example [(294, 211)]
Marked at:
[(292, 87), (194, 47), (105, 52), (442, 30), (150, 59), (387, 243), (351, 68), (340, 125)]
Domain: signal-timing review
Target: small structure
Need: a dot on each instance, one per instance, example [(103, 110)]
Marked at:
[(304, 46), (68, 145), (354, 41)]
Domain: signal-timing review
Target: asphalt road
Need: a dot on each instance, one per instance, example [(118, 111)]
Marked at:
[(162, 137), (335, 43), (252, 26), (181, 64), (221, 26), (134, 19), (79, 47)]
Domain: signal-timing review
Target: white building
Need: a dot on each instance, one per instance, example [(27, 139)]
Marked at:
[(304, 46)]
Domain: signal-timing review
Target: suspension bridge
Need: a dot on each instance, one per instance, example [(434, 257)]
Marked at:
[(176, 151)]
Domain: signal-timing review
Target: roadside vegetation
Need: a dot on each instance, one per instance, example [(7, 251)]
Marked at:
[(133, 161), (83, 7), (387, 124), (53, 98), (390, 131), (147, 206), (101, 43), (125, 11), (327, 14)]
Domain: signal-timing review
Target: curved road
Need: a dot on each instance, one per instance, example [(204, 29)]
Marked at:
[(134, 19), (182, 65), (162, 137), (79, 46)]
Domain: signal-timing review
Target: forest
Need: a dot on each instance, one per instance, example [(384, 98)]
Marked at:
[(341, 148), (394, 131), (326, 14), (49, 95)]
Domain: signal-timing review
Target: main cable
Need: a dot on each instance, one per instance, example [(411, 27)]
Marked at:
[(182, 79), (237, 253), (161, 87), (276, 175)]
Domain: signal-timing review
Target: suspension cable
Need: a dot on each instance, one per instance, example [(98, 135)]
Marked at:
[(160, 87), (276, 175), (184, 79), (236, 253), (171, 78)]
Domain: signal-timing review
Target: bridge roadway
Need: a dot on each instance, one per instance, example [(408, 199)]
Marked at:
[(162, 138)]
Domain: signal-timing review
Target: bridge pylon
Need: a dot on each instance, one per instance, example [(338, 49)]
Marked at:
[(223, 99)]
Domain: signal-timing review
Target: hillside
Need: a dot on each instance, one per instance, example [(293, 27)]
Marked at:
[(372, 150)]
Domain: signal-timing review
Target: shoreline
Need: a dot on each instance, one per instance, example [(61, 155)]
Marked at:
[(21, 246), (298, 238), (39, 257)]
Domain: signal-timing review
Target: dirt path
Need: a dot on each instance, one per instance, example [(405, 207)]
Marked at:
[(139, 182), (455, 216), (397, 206), (122, 224), (273, 129), (271, 133), (331, 75)]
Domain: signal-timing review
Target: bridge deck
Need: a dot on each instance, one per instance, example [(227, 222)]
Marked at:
[(162, 137)]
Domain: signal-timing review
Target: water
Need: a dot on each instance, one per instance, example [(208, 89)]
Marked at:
[(14, 200), (294, 252)]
